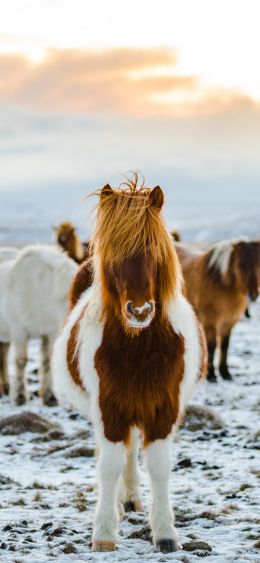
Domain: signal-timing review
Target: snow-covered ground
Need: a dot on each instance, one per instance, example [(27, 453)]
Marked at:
[(48, 484)]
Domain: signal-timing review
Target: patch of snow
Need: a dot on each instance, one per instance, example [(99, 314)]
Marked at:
[(48, 495)]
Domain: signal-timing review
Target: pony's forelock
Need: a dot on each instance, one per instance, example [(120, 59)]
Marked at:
[(128, 225)]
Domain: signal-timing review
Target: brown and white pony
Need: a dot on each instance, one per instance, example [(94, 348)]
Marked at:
[(219, 281), (129, 357), (69, 241)]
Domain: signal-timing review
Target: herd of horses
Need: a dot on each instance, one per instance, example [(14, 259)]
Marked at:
[(145, 313)]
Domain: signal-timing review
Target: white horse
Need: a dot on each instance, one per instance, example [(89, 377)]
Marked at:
[(33, 302)]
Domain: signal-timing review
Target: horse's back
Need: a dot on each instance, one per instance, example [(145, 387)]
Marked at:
[(37, 290), (7, 253), (187, 253)]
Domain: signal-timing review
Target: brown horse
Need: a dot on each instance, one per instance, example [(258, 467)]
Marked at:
[(130, 355), (69, 241), (219, 281)]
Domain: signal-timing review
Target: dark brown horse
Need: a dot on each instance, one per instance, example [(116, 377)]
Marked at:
[(219, 281)]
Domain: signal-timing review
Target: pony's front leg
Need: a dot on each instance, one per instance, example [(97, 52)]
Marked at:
[(131, 479), (45, 372), (19, 387), (211, 337), (224, 344), (4, 379), (110, 466), (158, 456)]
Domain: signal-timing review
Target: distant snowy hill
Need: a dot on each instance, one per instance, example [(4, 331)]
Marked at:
[(199, 213)]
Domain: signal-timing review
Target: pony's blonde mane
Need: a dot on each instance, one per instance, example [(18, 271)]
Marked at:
[(128, 225), (220, 254)]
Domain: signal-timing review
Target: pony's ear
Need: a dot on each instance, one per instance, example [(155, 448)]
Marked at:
[(156, 197), (106, 191)]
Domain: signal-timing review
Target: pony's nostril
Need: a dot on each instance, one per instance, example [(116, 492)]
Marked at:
[(129, 308)]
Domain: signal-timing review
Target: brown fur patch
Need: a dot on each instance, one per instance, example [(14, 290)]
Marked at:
[(72, 353), (82, 281), (139, 379)]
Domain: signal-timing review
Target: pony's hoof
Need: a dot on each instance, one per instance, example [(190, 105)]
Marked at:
[(166, 546), (212, 378), (133, 506), (49, 399), (20, 399), (98, 545), (225, 375), (6, 388)]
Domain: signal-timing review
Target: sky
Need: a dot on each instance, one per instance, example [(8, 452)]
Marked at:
[(90, 91)]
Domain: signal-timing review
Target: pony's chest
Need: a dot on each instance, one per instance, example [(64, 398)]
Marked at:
[(136, 372), (139, 384)]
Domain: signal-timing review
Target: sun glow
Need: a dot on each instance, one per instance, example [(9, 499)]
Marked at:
[(218, 42)]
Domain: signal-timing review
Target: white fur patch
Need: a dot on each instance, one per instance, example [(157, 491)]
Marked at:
[(184, 322), (89, 340), (64, 387), (134, 323), (140, 310)]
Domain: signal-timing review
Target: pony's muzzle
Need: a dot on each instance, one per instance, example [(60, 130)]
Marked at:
[(139, 316)]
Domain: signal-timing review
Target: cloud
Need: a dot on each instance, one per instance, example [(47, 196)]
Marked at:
[(117, 80), (14, 71), (221, 148)]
